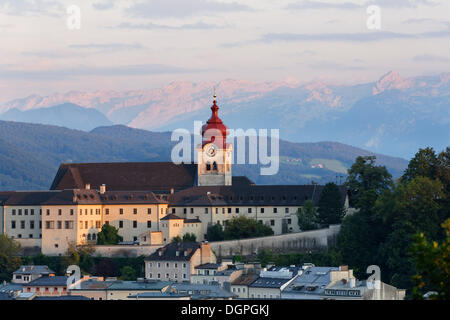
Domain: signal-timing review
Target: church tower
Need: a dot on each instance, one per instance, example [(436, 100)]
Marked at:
[(214, 155)]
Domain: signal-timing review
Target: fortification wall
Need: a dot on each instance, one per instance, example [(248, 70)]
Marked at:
[(300, 241)]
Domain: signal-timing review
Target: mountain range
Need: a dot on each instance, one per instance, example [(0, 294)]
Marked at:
[(32, 153), (393, 115)]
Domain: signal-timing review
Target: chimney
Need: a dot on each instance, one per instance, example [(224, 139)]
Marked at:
[(206, 253), (103, 189), (88, 186)]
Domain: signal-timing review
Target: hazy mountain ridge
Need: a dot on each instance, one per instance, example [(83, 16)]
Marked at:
[(32, 154), (66, 115), (303, 113)]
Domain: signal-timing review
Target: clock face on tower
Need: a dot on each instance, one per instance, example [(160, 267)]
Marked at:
[(211, 150)]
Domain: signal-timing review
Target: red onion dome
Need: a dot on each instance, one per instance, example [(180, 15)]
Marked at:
[(214, 130)]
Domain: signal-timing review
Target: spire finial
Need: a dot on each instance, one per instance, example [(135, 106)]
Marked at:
[(214, 96)]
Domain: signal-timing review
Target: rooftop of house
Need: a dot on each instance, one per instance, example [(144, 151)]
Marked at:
[(175, 252), (34, 270), (58, 281), (201, 291), (172, 217), (313, 281), (139, 285), (71, 297), (165, 295), (268, 283), (135, 176), (213, 266), (245, 279)]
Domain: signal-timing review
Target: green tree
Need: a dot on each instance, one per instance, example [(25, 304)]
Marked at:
[(189, 237), (433, 265), (80, 256), (364, 175), (361, 233), (243, 228), (424, 164), (109, 235), (9, 257), (307, 216), (177, 239), (331, 209), (215, 233), (127, 273)]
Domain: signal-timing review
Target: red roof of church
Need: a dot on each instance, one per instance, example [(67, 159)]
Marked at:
[(214, 130)]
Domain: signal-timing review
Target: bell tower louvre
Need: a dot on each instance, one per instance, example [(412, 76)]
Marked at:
[(214, 155)]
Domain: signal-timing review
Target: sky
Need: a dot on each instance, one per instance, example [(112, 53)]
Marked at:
[(141, 44)]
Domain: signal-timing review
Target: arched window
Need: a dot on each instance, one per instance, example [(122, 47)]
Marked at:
[(94, 237), (215, 166), (89, 236), (208, 166)]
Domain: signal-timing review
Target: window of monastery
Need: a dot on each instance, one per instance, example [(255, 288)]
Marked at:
[(275, 210), (237, 210), (71, 212), (20, 212), (120, 211), (26, 212), (249, 210), (22, 224), (135, 211), (13, 224), (14, 212), (59, 212), (31, 224), (149, 211), (106, 211)]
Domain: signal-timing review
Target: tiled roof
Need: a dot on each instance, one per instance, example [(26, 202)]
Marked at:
[(4, 196), (268, 195), (48, 281), (208, 266), (172, 217), (245, 279), (126, 176), (201, 291), (130, 197), (33, 270), (138, 285), (81, 196), (29, 198), (169, 252), (268, 282), (71, 297)]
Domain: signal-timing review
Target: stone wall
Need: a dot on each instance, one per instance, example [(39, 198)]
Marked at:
[(125, 250), (300, 241)]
